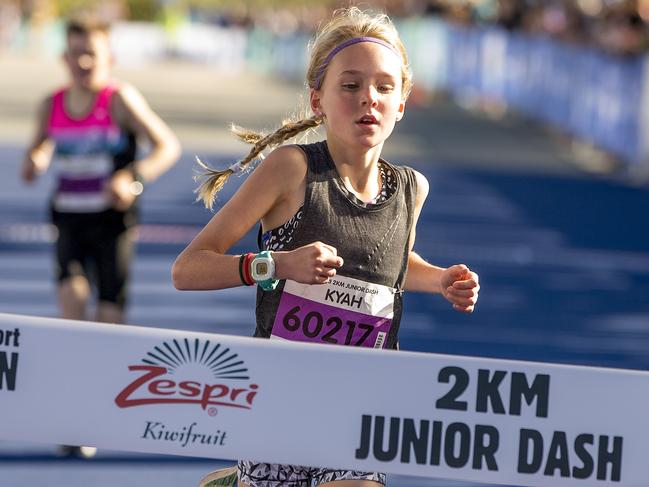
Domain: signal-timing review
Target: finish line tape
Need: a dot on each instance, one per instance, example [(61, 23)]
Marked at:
[(177, 392)]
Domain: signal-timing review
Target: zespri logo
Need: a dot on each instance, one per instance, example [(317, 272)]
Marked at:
[(190, 372)]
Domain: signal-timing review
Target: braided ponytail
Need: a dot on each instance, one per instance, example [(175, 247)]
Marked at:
[(211, 180)]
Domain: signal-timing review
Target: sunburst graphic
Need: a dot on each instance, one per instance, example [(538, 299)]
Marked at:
[(220, 361)]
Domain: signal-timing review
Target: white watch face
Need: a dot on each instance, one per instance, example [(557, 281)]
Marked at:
[(262, 268)]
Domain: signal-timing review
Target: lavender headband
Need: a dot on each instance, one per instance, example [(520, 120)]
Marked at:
[(343, 45)]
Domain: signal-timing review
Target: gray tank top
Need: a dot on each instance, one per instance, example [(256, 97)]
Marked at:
[(363, 304)]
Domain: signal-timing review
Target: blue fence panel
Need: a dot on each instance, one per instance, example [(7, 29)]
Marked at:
[(464, 61), (616, 115), (520, 79), (290, 56), (583, 91), (427, 43), (494, 66)]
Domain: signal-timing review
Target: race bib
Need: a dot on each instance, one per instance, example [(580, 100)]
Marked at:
[(345, 311), (82, 178)]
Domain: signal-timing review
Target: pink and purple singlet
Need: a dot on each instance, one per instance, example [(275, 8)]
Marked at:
[(88, 151)]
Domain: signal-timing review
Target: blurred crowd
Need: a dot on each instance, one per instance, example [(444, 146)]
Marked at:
[(617, 26)]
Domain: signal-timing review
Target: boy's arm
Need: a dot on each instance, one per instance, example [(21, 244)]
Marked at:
[(39, 153), (133, 113)]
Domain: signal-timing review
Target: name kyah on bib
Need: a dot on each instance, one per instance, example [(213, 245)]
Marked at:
[(345, 311)]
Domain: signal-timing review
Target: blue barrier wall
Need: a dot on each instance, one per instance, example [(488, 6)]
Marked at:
[(587, 93)]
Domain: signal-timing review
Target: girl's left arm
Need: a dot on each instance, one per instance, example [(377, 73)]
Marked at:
[(458, 284)]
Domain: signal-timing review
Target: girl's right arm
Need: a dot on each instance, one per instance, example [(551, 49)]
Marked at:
[(268, 194), (39, 154)]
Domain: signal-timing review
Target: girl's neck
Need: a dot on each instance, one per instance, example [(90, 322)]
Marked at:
[(358, 168)]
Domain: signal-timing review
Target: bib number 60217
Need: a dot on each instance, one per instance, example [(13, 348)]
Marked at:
[(328, 329)]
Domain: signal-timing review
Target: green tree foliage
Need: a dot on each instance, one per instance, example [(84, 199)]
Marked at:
[(68, 8), (150, 10), (143, 10), (225, 4)]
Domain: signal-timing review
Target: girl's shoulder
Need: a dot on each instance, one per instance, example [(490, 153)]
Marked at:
[(288, 160), (420, 185), (282, 172)]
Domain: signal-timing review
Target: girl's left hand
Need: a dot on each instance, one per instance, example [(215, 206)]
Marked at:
[(460, 286)]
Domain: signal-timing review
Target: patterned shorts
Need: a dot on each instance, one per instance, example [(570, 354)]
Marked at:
[(273, 475)]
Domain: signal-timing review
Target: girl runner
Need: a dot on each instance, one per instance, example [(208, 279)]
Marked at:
[(337, 221)]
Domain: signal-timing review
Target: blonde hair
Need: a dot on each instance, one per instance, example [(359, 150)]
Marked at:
[(350, 23), (345, 24)]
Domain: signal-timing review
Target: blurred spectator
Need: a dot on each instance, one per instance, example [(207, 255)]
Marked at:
[(621, 29), (9, 22), (617, 26), (510, 13)]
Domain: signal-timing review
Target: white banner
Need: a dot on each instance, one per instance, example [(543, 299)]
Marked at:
[(177, 392)]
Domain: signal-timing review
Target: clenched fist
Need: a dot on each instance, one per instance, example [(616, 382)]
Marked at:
[(460, 286), (314, 263)]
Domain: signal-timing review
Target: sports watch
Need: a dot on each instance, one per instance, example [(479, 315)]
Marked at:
[(262, 270), (137, 186)]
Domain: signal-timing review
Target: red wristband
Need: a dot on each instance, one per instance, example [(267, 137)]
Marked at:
[(246, 269), (241, 259)]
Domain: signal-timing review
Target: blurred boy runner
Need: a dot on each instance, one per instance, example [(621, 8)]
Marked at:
[(89, 130)]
